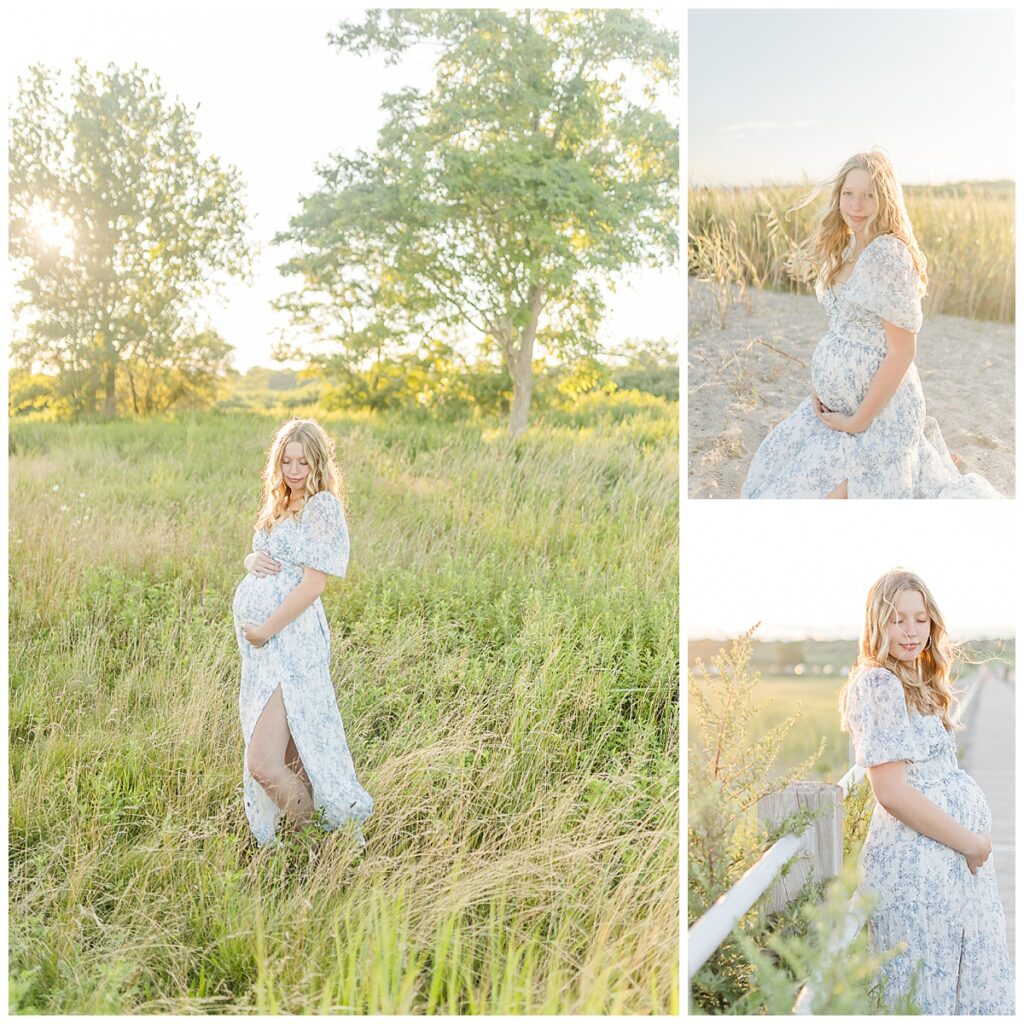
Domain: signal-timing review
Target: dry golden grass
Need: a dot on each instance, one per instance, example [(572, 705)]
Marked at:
[(741, 238)]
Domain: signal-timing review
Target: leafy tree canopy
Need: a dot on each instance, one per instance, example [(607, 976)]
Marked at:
[(119, 228), (499, 200)]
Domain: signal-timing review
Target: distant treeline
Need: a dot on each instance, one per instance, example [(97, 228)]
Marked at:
[(775, 656), (439, 380), (434, 379)]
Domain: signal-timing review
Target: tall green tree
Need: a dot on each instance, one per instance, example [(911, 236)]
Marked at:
[(501, 199), (119, 229)]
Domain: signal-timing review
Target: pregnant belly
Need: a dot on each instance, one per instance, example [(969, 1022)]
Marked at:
[(257, 597), (894, 852), (961, 798), (841, 372)]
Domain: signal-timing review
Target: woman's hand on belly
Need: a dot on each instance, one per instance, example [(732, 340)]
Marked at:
[(818, 406), (261, 563), (837, 420), (981, 852), (254, 634)]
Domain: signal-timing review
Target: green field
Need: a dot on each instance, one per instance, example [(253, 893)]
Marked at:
[(819, 717), (816, 699), (505, 651)]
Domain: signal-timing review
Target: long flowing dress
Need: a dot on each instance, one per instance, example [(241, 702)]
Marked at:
[(298, 659), (952, 920), (901, 454)]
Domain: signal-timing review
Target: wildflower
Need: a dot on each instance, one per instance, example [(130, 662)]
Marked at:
[(56, 487), (63, 508), (81, 494)]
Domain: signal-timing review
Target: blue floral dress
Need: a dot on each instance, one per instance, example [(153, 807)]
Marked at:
[(952, 920), (298, 658), (901, 454)]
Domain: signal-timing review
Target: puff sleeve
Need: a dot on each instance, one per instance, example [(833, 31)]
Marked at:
[(877, 717), (325, 535), (885, 282)]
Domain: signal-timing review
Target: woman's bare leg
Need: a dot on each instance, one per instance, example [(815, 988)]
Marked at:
[(266, 761), (292, 759), (839, 492)]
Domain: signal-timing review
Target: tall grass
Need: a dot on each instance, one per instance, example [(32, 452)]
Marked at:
[(739, 238), (815, 699), (505, 652)]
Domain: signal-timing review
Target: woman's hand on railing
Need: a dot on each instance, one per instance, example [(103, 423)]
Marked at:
[(981, 852)]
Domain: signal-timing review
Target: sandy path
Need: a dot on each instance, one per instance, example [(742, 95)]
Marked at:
[(747, 376)]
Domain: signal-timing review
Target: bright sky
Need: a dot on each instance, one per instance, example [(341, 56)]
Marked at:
[(803, 568), (789, 95), (274, 100)]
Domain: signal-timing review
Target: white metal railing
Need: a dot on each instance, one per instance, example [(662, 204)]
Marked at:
[(710, 930), (851, 778)]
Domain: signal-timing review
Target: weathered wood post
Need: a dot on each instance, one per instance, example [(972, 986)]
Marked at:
[(825, 841)]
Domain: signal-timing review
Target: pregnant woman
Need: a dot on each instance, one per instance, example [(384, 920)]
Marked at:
[(296, 757), (863, 432), (927, 858)]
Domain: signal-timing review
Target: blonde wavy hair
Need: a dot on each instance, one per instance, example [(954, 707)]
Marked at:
[(821, 254), (926, 681), (324, 474)]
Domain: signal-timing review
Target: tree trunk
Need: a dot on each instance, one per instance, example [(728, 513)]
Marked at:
[(522, 392), (110, 407), (520, 365), (109, 371), (135, 398)]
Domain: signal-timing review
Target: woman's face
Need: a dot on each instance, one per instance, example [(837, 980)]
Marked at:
[(857, 200), (909, 626), (295, 467)]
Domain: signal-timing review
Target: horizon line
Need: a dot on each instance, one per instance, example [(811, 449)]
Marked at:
[(825, 636), (809, 183)]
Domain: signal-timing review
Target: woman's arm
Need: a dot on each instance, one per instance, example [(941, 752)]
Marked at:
[(900, 352), (916, 811), (297, 601)]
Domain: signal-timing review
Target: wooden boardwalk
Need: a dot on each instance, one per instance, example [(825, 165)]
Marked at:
[(987, 755)]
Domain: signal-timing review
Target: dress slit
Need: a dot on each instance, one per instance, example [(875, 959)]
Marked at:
[(287, 722), (959, 970)]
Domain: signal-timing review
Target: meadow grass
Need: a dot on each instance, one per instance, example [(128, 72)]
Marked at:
[(739, 238), (815, 698), (505, 653)]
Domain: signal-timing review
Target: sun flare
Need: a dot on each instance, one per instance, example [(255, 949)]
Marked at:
[(53, 230)]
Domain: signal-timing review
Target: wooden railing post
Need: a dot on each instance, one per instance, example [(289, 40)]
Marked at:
[(826, 843)]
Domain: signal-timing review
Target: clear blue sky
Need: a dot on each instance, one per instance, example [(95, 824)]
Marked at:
[(274, 100), (789, 95)]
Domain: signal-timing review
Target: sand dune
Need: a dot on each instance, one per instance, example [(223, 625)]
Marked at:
[(745, 377)]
